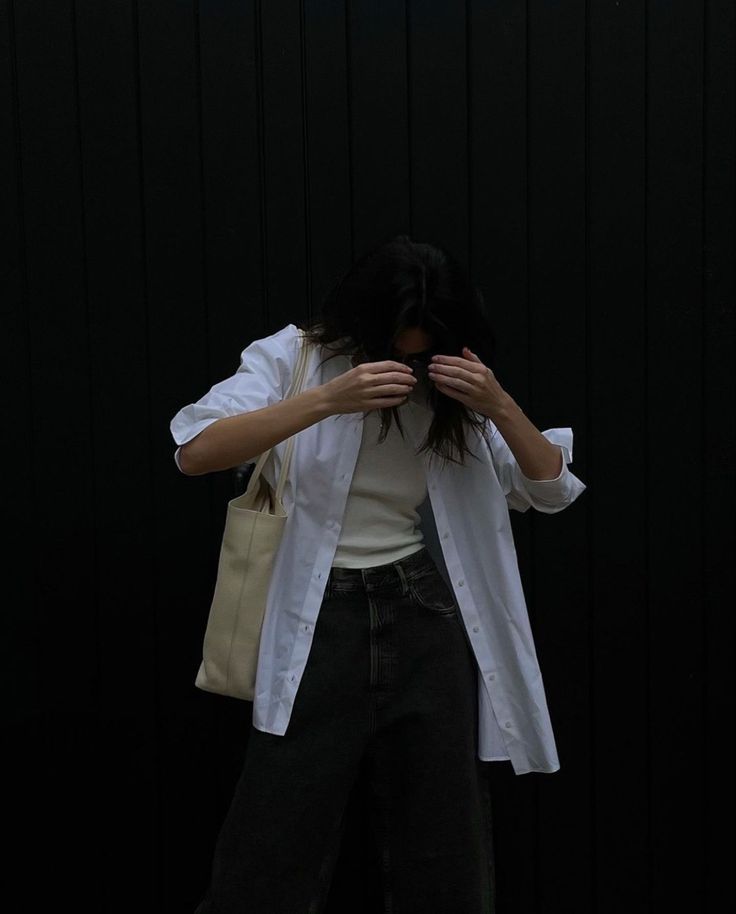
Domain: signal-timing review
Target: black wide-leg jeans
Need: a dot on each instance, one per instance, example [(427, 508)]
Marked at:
[(390, 684)]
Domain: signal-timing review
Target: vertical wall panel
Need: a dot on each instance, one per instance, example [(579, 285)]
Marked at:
[(284, 159), (673, 398), (616, 424), (558, 591), (23, 687), (438, 123), (120, 477), (716, 271), (62, 560), (380, 120), (326, 67)]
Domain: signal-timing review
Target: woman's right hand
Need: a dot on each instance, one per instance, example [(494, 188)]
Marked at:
[(370, 385)]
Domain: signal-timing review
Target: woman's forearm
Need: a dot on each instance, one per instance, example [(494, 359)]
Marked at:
[(537, 457), (233, 440)]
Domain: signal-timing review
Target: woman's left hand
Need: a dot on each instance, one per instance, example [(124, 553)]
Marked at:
[(469, 381)]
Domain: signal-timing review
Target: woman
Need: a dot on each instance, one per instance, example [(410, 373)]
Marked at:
[(396, 638)]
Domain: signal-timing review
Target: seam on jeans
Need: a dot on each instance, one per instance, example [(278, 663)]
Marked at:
[(326, 871), (415, 590), (386, 861), (402, 577)]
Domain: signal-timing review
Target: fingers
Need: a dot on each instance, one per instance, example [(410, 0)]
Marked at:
[(387, 365)]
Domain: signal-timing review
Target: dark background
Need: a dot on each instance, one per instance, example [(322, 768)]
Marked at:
[(180, 178)]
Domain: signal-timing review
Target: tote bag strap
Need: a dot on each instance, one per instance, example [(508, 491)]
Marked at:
[(294, 388)]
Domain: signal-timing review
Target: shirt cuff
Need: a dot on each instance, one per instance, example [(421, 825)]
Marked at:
[(551, 495)]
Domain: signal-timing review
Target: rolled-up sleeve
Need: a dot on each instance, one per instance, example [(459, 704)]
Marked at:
[(546, 495), (262, 379)]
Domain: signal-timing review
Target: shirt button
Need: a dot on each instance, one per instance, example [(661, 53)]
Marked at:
[(460, 582), (475, 628), (294, 677), (491, 675), (508, 724)]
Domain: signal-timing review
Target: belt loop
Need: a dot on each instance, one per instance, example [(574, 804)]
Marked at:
[(402, 577)]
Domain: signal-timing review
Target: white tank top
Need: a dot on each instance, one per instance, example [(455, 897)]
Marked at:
[(381, 523)]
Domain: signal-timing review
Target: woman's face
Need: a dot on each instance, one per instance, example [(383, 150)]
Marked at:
[(414, 347), (412, 341)]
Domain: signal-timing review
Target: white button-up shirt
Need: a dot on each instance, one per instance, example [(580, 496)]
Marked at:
[(466, 527)]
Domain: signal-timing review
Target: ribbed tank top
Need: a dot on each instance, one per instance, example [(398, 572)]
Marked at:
[(381, 523)]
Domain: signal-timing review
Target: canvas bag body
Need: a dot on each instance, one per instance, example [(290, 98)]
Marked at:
[(254, 527)]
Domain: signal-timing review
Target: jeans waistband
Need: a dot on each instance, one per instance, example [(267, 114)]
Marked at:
[(392, 574)]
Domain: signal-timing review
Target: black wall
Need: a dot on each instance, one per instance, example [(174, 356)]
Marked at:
[(180, 178)]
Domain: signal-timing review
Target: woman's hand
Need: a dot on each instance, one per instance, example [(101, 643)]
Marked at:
[(469, 381), (370, 385)]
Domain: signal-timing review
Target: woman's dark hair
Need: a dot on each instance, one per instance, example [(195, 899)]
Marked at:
[(397, 285)]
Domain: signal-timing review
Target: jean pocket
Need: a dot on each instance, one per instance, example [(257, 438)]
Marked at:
[(432, 593)]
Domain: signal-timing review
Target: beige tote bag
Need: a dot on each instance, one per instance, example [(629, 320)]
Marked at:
[(254, 526)]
